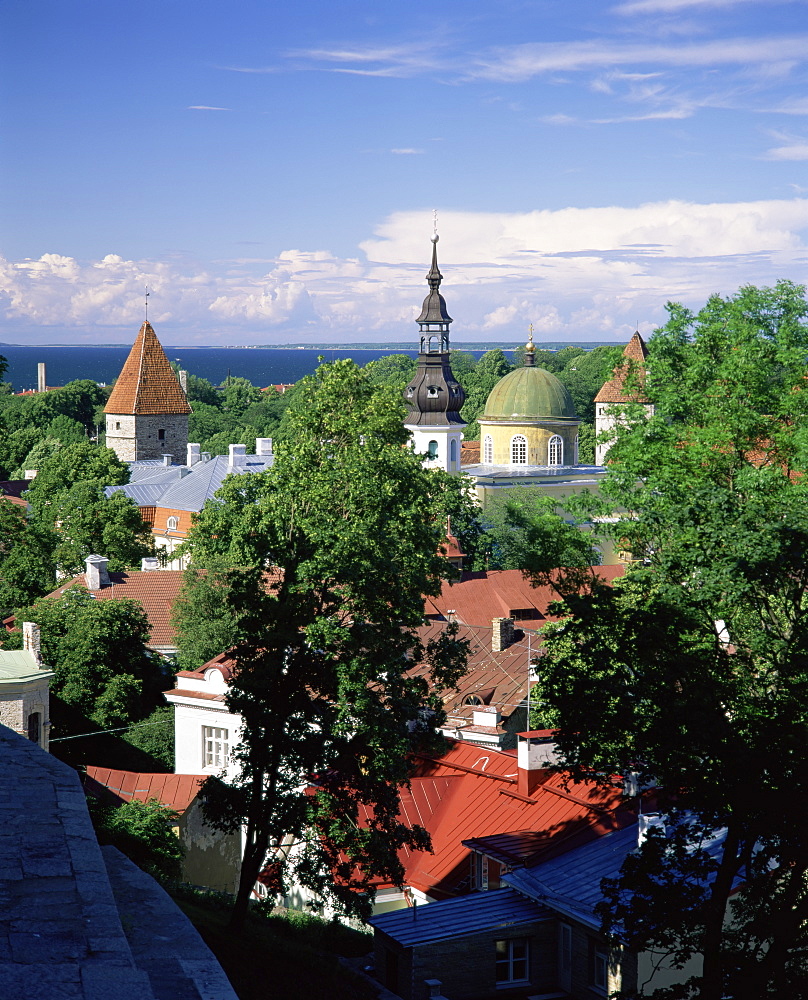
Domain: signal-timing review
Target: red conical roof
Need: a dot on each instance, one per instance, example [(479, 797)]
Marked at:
[(147, 383), (615, 391)]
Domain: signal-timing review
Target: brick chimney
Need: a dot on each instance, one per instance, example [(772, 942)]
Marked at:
[(535, 751), (30, 640), (501, 634), (95, 573)]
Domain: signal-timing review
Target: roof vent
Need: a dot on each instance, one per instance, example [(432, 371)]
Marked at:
[(205, 456), (168, 459), (149, 563)]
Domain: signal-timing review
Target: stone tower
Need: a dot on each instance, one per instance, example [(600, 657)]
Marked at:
[(625, 386), (434, 397), (147, 412)]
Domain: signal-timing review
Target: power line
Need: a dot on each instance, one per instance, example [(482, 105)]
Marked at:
[(121, 729)]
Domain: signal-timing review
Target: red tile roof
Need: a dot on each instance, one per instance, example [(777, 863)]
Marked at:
[(615, 390), (469, 452), (157, 590), (147, 383), (177, 791)]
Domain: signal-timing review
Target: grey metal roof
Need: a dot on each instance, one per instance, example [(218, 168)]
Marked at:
[(451, 918), (205, 478), (156, 485)]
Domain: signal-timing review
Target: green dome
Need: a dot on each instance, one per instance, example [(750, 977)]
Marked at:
[(529, 394)]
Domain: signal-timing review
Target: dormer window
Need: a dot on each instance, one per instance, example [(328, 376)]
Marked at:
[(172, 524)]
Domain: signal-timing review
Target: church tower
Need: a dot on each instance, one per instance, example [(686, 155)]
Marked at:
[(147, 412), (434, 397), (625, 386)]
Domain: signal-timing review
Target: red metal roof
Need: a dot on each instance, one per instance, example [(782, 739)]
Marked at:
[(177, 791)]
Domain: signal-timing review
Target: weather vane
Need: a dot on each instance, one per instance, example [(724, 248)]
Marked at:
[(147, 303), (435, 225)]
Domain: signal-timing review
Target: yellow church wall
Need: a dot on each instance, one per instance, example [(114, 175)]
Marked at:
[(538, 440)]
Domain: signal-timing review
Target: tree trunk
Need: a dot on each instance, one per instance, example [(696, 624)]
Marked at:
[(712, 952)]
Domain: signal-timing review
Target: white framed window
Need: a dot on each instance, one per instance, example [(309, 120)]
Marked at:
[(215, 747), (512, 961), (555, 450), (599, 968), (453, 452), (432, 449), (172, 524), (488, 450), (519, 449)]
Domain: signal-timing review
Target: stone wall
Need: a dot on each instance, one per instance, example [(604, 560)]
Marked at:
[(137, 438)]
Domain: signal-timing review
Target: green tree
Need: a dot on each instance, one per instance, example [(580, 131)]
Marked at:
[(478, 383), (334, 549), (523, 530), (204, 617), (393, 369), (79, 462), (694, 673), (96, 649), (27, 570), (238, 394), (143, 831)]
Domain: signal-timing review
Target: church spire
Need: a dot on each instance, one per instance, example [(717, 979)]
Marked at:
[(434, 319)]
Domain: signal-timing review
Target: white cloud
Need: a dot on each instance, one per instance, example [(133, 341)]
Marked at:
[(407, 152), (205, 107), (578, 273), (673, 6)]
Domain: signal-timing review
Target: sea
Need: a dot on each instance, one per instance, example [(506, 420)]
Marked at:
[(262, 366)]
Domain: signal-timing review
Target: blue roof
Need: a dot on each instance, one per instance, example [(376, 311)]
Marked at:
[(451, 918), (570, 883)]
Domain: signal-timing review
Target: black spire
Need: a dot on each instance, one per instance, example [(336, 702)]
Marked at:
[(434, 397), (434, 319)]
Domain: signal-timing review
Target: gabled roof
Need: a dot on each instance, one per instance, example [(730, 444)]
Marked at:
[(178, 488), (633, 366), (147, 383), (177, 791), (157, 590), (481, 911), (471, 793)]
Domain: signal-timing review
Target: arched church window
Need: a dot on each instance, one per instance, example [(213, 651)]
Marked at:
[(433, 449), (555, 451), (519, 449), (172, 523), (575, 452), (453, 452), (488, 450)]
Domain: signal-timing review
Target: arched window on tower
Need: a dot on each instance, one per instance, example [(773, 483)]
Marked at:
[(575, 459), (519, 449), (433, 449), (555, 451), (453, 453), (172, 523), (488, 450)]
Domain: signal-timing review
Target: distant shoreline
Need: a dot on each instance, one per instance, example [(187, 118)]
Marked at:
[(508, 345)]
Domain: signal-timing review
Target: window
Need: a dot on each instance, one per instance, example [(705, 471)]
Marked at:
[(555, 451), (172, 523), (432, 448), (453, 452), (161, 435), (512, 961), (488, 450), (575, 451), (34, 727), (599, 967), (565, 957), (518, 450), (479, 872), (215, 747), (117, 425)]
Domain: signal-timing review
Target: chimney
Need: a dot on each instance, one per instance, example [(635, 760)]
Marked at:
[(149, 563), (205, 456), (29, 474), (183, 379), (168, 459), (30, 640), (237, 453), (192, 455), (41, 379), (95, 574), (535, 751), (263, 446), (486, 715), (644, 823), (501, 634)]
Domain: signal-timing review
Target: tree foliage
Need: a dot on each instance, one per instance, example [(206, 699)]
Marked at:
[(333, 550), (96, 649), (143, 831), (694, 672)]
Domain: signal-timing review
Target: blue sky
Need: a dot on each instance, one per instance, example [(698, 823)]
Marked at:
[(270, 170)]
